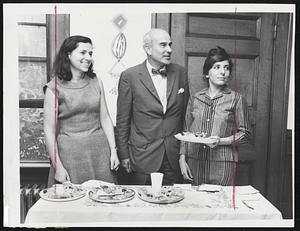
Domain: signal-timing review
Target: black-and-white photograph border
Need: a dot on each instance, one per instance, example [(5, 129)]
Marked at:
[(216, 119)]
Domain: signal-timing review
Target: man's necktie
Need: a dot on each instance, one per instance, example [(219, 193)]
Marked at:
[(162, 72)]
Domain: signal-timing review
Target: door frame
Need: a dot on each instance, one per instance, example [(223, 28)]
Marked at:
[(279, 99), (279, 107)]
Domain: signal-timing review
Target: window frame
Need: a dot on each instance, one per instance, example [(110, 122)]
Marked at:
[(36, 103), (57, 29)]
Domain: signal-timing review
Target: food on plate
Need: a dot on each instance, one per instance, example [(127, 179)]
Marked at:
[(94, 183), (195, 137), (167, 194), (63, 191), (111, 194), (196, 134)]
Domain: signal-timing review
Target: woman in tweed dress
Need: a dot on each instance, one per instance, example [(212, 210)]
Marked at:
[(78, 129), (221, 114)]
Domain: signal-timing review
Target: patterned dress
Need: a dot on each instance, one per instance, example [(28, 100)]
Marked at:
[(223, 115), (82, 145)]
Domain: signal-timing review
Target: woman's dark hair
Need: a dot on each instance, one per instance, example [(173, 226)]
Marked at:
[(61, 65), (215, 55)]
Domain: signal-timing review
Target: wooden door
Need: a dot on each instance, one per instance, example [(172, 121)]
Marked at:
[(248, 38)]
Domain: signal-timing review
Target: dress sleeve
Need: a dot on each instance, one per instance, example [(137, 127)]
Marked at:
[(243, 134), (52, 85), (96, 81)]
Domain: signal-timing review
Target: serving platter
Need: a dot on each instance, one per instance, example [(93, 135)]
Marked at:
[(167, 195), (111, 194), (62, 192), (194, 138)]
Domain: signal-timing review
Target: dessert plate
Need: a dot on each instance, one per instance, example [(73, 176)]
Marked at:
[(62, 192), (167, 195), (111, 194)]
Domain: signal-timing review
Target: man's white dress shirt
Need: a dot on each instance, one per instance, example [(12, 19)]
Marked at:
[(160, 84)]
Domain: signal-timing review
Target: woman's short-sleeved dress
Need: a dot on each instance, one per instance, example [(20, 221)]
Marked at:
[(81, 143)]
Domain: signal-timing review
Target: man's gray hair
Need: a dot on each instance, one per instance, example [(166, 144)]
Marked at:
[(148, 37), (147, 40)]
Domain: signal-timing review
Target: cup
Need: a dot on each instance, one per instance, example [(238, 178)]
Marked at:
[(156, 181)]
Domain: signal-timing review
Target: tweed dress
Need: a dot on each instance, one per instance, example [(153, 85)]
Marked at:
[(81, 143)]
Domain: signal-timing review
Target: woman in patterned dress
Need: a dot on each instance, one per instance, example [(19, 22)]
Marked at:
[(79, 132), (220, 114)]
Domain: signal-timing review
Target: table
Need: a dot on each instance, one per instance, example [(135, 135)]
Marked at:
[(195, 207)]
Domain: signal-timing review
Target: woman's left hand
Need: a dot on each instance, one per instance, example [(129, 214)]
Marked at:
[(114, 160), (216, 141)]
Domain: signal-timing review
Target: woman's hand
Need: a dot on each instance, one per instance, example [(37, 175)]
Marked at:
[(216, 141), (185, 169), (114, 160), (61, 174)]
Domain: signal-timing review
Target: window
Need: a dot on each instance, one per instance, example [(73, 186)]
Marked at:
[(35, 57)]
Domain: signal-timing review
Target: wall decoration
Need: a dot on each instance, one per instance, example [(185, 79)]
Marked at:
[(118, 49)]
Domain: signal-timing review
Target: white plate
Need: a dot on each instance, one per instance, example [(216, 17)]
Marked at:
[(111, 194), (50, 194), (190, 137), (95, 183), (167, 195)]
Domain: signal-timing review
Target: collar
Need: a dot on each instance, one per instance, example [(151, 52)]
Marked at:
[(226, 90), (150, 67)]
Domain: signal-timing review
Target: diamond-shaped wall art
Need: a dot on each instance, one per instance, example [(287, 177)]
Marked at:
[(120, 21)]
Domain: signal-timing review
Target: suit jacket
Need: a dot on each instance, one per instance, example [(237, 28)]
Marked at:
[(143, 131)]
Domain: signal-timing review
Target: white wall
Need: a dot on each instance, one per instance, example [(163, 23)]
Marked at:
[(101, 29)]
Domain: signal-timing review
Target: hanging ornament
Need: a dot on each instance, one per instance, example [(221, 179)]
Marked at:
[(119, 46), (118, 49)]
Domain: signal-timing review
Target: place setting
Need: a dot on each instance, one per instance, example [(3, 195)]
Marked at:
[(159, 194), (111, 194), (66, 191)]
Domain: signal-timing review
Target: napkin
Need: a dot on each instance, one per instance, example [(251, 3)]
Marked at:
[(183, 186), (244, 190), (209, 188)]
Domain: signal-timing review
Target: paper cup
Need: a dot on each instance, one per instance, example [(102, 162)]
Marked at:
[(156, 180)]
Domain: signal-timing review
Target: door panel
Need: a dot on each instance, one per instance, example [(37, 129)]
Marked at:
[(248, 38), (244, 48), (215, 25)]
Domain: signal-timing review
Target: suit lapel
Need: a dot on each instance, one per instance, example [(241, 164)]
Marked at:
[(147, 81), (170, 82)]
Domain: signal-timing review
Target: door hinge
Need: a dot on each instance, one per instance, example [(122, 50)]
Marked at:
[(275, 32)]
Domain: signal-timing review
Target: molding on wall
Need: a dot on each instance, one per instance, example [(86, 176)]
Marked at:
[(34, 165)]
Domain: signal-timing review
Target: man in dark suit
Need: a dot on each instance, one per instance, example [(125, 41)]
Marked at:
[(152, 99)]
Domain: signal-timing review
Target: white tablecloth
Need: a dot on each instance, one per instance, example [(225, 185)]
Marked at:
[(196, 206)]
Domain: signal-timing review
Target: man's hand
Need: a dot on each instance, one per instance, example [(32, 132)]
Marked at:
[(126, 164)]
